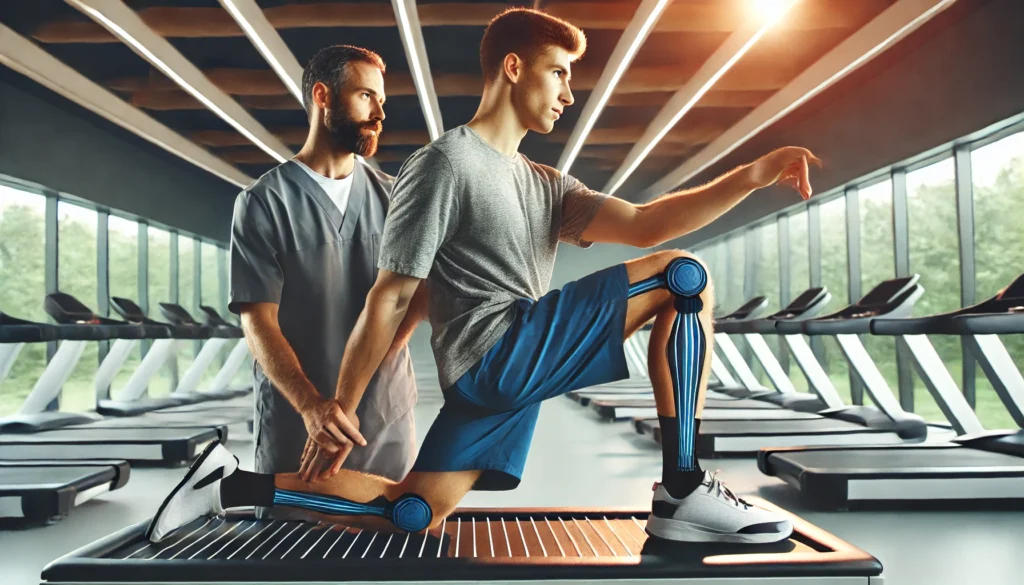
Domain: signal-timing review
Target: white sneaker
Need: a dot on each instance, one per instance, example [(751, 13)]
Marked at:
[(713, 514), (197, 495)]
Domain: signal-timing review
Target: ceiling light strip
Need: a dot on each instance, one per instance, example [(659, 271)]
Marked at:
[(416, 53), (886, 29), (633, 37), (268, 42), (25, 57), (117, 17)]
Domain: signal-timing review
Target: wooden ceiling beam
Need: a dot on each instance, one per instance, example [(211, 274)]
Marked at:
[(297, 135), (720, 17)]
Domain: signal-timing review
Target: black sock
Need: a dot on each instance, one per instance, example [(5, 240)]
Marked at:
[(244, 488), (679, 484)]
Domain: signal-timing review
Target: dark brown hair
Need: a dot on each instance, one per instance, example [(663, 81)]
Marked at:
[(330, 67), (526, 32)]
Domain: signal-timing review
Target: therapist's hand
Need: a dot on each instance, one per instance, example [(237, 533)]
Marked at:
[(332, 435)]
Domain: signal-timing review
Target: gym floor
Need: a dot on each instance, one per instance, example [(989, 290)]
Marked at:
[(578, 460)]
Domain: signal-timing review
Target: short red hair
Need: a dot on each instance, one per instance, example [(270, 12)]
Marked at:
[(526, 32)]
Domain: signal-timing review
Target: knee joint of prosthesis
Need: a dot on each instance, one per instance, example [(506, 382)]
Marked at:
[(686, 279), (409, 512), (683, 277)]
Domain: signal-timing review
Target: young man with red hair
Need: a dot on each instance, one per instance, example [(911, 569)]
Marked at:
[(481, 223)]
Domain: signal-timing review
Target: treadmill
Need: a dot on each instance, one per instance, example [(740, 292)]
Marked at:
[(34, 493), (739, 402), (615, 407), (37, 432), (539, 545), (978, 468), (847, 425), (795, 405)]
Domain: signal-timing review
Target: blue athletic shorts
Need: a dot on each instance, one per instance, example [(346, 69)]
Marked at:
[(568, 339)]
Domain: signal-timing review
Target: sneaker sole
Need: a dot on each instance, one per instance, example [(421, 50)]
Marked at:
[(184, 481), (682, 531)]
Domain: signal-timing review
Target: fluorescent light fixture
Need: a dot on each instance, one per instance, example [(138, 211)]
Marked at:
[(27, 58), (167, 70), (290, 73), (771, 11), (637, 157), (416, 52), (896, 22), (591, 114)]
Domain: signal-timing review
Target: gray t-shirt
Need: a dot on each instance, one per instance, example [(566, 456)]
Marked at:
[(483, 229)]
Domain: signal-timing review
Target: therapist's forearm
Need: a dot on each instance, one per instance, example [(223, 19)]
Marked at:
[(370, 341), (278, 360)]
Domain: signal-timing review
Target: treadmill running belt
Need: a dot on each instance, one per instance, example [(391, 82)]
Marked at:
[(477, 545)]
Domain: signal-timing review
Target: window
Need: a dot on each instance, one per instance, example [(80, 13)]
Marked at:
[(733, 297), (77, 276), (835, 276), (186, 275), (878, 263), (997, 172), (799, 258), (715, 257), (766, 283), (935, 255), (159, 280), (123, 268), (22, 272), (210, 295)]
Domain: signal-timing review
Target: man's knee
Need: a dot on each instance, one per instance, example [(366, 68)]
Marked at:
[(695, 275)]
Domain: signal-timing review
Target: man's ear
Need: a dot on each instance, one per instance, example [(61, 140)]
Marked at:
[(512, 67), (321, 95)]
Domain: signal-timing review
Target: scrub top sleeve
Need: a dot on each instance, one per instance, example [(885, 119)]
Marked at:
[(424, 214), (256, 275), (579, 206)]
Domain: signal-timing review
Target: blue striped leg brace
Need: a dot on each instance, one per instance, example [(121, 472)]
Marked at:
[(409, 512), (686, 279)]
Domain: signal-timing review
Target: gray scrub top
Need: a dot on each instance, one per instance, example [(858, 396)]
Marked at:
[(291, 245)]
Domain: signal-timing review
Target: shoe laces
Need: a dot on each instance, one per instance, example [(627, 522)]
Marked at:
[(720, 490)]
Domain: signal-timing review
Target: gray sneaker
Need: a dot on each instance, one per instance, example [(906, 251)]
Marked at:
[(711, 513)]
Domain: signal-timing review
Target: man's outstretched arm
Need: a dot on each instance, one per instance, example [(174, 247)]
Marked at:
[(677, 214)]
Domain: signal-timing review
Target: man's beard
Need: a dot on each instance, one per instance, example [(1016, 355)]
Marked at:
[(351, 135)]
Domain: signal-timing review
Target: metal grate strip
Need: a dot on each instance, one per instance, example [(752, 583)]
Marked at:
[(594, 528), (284, 538), (325, 533), (386, 545), (523, 538), (507, 542), (440, 539), (585, 537), (571, 539), (474, 537), (353, 543), (369, 544), (236, 537), (555, 536), (269, 538), (490, 537), (619, 538), (424, 544), (215, 541), (458, 535), (196, 541), (330, 548), (181, 540), (537, 532), (137, 551), (311, 528), (405, 544), (251, 538)]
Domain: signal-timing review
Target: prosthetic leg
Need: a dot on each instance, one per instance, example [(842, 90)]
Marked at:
[(686, 279)]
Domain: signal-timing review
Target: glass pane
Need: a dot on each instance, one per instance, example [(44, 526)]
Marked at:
[(717, 262), (77, 276), (160, 291), (997, 171), (123, 246), (767, 283), (878, 263), (735, 262), (186, 275), (835, 277), (210, 292), (186, 298), (799, 255), (935, 255), (22, 272)]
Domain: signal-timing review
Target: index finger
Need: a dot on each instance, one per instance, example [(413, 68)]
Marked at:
[(348, 428), (805, 180)]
